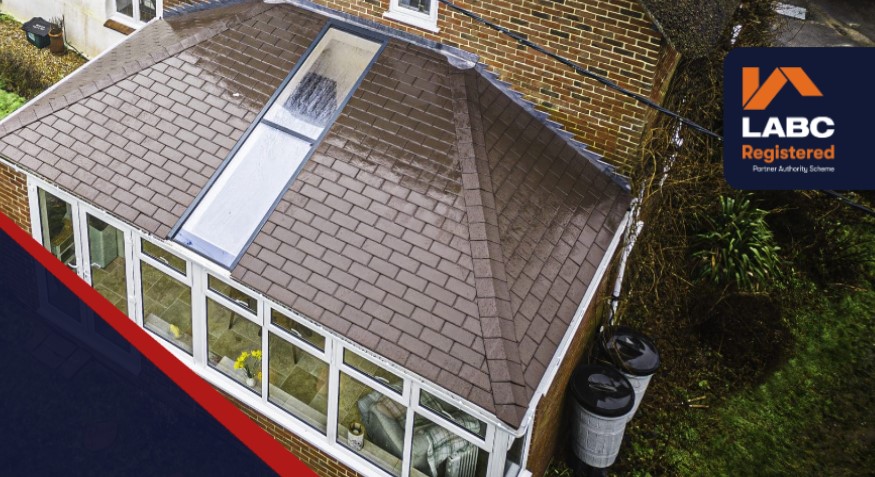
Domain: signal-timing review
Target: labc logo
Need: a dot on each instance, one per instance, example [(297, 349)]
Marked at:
[(758, 98), (797, 118)]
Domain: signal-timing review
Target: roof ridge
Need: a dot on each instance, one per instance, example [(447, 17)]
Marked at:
[(490, 280), (51, 103)]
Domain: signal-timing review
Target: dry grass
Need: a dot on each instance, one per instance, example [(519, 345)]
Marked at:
[(44, 68)]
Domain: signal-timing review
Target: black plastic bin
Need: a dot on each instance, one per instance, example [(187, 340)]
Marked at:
[(635, 355), (603, 398)]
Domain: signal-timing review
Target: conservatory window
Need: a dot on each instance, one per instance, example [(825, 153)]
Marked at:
[(371, 423), (453, 414), (389, 380), (440, 452), (166, 293), (234, 345), (298, 381), (233, 207)]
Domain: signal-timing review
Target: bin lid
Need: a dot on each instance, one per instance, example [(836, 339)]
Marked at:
[(633, 352), (37, 26), (602, 390)]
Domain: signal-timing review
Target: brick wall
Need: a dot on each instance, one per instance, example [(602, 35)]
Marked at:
[(551, 427), (13, 196), (321, 463), (614, 38)]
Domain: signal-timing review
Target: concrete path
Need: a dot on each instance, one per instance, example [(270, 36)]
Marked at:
[(827, 23)]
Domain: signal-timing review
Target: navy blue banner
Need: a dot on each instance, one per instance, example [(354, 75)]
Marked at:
[(77, 399), (799, 118)]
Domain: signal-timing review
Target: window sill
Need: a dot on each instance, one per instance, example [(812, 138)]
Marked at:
[(118, 26), (124, 21), (417, 21)]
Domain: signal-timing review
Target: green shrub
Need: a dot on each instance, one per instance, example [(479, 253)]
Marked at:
[(736, 248), (9, 102)]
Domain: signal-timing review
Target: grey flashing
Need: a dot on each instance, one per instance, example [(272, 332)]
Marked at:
[(596, 159), (454, 55)]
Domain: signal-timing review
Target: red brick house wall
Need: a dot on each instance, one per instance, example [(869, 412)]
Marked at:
[(550, 426), (615, 38), (13, 196), (321, 463)]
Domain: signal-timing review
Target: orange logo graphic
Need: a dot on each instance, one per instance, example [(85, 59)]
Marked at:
[(757, 98)]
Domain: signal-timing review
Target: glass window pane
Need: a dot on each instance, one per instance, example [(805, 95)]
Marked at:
[(437, 452), (231, 211), (298, 330), (452, 413), (166, 306), (106, 246), (234, 346), (384, 377), (57, 227), (147, 10), (125, 7), (421, 6), (232, 294), (298, 382), (322, 83), (371, 424), (163, 256), (513, 464)]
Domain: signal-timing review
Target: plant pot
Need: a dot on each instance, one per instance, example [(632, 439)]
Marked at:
[(355, 436), (56, 43), (250, 382)]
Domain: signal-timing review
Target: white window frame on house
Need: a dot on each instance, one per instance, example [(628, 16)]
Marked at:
[(498, 436), (133, 20), (425, 20)]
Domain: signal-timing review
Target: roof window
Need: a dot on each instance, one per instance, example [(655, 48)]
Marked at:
[(234, 205)]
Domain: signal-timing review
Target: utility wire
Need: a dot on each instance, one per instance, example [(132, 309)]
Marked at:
[(849, 202), (581, 70), (610, 84)]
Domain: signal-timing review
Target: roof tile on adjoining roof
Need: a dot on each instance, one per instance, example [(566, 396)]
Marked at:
[(437, 224)]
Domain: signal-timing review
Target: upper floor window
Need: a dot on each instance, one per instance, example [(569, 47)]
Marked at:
[(139, 10), (419, 13)]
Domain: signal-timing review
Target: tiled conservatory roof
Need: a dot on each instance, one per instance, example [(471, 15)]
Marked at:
[(440, 223)]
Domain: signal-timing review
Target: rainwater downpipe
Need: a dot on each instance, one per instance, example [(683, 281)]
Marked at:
[(633, 229)]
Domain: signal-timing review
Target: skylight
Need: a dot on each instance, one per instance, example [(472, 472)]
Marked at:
[(233, 207)]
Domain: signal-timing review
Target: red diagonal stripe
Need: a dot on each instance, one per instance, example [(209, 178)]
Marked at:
[(248, 432)]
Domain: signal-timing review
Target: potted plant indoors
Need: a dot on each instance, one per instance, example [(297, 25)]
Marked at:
[(250, 363), (56, 36), (356, 435)]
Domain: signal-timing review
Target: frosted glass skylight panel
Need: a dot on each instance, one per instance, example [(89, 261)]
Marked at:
[(244, 193), (308, 102), (227, 215)]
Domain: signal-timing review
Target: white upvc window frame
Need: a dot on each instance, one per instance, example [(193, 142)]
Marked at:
[(133, 20), (323, 355), (498, 436), (426, 21), (186, 279)]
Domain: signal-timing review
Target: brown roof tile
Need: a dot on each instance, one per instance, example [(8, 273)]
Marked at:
[(439, 223)]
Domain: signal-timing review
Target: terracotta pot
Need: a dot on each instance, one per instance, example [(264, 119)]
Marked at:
[(56, 43)]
